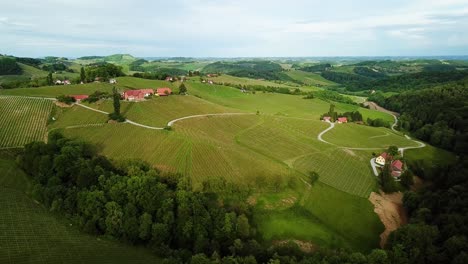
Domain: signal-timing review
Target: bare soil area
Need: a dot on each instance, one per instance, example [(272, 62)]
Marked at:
[(389, 208)]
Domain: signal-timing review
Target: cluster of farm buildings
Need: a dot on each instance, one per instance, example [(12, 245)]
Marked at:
[(134, 95), (396, 166), (339, 120)]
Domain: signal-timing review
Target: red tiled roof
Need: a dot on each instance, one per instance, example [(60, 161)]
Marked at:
[(79, 96), (396, 173), (162, 91), (384, 155), (342, 119), (147, 91), (397, 164), (132, 92), (326, 118)]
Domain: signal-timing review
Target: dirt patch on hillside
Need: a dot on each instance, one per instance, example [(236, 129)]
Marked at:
[(304, 246), (389, 208), (63, 105)]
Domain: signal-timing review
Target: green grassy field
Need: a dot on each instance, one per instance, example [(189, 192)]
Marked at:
[(360, 136), (74, 116), (309, 78), (23, 120), (276, 104), (29, 233)]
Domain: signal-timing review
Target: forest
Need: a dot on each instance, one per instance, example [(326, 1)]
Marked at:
[(8, 66), (397, 83), (442, 120)]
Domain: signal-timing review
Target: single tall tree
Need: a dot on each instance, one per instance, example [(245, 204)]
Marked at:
[(182, 89), (116, 97), (49, 79), (82, 75)]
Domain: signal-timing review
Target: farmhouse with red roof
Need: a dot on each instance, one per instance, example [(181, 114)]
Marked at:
[(397, 168), (342, 120), (163, 91), (137, 95), (326, 118), (79, 97)]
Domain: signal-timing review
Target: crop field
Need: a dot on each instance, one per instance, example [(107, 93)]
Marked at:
[(360, 136), (23, 120), (29, 233), (56, 90), (345, 170), (76, 115), (309, 78)]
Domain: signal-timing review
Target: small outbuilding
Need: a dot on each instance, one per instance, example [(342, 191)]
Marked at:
[(163, 91)]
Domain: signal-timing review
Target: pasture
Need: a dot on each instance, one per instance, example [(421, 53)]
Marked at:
[(23, 120)]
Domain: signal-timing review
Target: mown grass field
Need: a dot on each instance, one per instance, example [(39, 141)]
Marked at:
[(23, 120), (29, 233), (309, 78), (360, 136), (75, 116)]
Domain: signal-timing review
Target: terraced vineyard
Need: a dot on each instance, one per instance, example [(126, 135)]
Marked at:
[(23, 120)]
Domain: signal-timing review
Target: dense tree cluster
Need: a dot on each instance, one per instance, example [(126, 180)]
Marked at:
[(316, 68), (8, 66), (96, 96), (160, 73), (104, 71), (368, 72), (133, 202), (441, 120), (397, 83), (437, 232), (251, 69), (136, 65), (29, 61), (66, 99)]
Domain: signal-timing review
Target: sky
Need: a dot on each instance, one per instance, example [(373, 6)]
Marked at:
[(240, 28)]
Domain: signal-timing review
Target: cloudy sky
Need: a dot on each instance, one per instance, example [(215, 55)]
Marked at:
[(238, 28)]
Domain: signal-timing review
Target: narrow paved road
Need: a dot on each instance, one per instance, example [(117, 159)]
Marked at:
[(170, 123), (319, 136)]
